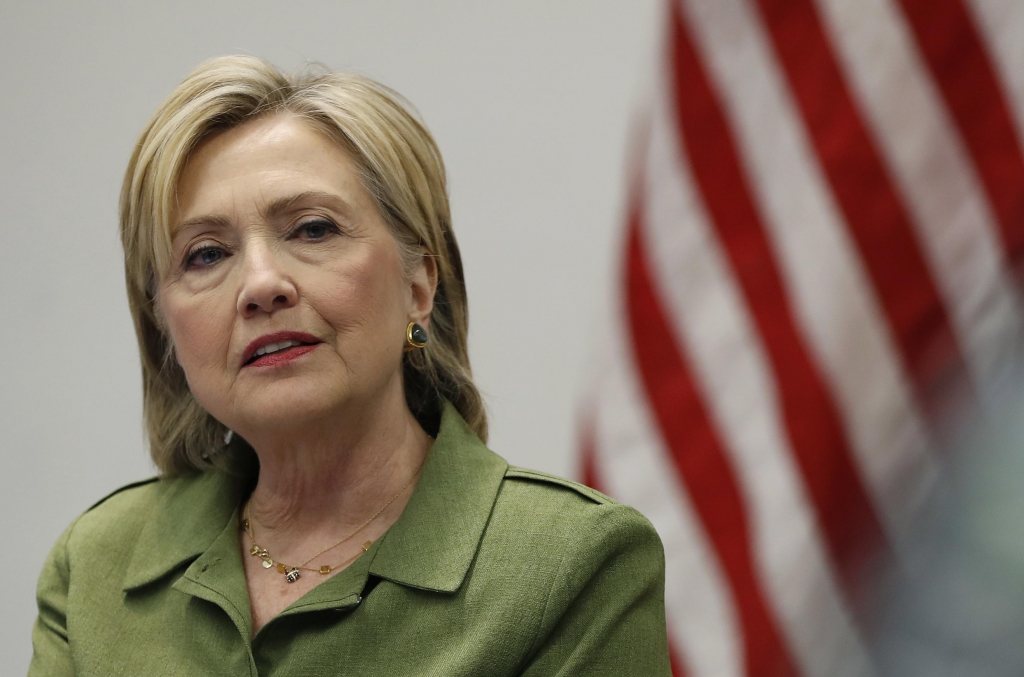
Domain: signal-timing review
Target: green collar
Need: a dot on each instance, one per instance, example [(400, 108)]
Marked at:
[(431, 546)]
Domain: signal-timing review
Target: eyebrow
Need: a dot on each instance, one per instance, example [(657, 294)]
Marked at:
[(281, 205), (284, 204), (200, 222)]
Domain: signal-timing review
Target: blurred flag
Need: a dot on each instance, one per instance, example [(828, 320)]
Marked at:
[(826, 216)]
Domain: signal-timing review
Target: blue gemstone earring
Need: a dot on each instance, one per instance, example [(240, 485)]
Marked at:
[(415, 336)]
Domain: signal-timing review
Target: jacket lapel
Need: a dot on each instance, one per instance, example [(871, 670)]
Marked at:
[(434, 542)]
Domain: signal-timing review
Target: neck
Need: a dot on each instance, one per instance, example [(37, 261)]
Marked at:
[(332, 475)]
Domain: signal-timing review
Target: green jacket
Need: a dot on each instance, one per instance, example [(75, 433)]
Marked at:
[(491, 570)]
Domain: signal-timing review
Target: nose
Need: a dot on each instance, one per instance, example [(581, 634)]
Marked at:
[(266, 286)]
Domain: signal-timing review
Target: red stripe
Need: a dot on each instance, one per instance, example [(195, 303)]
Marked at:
[(699, 460), (677, 666), (860, 182), (960, 65), (588, 457), (819, 445)]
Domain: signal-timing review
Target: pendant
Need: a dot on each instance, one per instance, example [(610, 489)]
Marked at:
[(267, 563), (292, 575)]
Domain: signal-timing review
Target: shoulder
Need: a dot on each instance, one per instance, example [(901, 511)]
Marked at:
[(575, 520), (127, 503), (115, 520), (109, 526), (565, 553), (540, 495), (583, 571), (545, 483), (127, 489)]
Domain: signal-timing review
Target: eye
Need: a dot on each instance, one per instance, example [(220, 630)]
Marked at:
[(204, 256), (319, 229)]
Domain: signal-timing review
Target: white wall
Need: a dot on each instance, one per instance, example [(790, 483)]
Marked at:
[(530, 101)]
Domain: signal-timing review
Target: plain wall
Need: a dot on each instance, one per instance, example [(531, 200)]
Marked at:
[(530, 101)]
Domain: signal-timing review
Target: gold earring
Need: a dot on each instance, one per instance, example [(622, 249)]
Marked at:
[(415, 336)]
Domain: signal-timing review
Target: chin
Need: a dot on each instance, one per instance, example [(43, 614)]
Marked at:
[(299, 409), (277, 405)]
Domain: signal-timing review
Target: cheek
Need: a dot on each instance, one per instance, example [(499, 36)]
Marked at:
[(200, 328), (365, 298)]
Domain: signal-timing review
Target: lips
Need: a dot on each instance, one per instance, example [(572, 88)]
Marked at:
[(278, 347)]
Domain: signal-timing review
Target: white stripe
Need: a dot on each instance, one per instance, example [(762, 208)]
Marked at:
[(711, 322), (637, 470), (1001, 24), (934, 172), (825, 280)]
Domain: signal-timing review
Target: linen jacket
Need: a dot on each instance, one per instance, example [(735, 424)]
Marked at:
[(491, 570)]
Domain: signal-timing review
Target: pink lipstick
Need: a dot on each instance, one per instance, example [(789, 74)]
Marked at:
[(278, 348)]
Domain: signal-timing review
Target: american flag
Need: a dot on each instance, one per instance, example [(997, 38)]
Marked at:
[(825, 221)]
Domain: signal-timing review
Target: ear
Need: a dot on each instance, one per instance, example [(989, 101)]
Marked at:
[(423, 284)]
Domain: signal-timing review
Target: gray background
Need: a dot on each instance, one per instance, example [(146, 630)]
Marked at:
[(531, 102)]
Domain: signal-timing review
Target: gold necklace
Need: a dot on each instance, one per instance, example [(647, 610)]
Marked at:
[(291, 573)]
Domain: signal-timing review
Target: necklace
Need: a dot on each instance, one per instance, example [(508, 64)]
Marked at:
[(292, 573)]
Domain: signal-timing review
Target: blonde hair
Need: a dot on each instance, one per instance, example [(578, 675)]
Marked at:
[(402, 169)]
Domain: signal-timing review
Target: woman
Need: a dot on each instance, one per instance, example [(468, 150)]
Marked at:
[(326, 504)]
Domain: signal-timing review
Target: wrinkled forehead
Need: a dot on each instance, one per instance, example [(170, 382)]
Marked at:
[(266, 167)]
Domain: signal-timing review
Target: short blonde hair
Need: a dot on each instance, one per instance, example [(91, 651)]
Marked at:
[(402, 169)]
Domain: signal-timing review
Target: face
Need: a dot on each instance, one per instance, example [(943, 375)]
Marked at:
[(286, 300)]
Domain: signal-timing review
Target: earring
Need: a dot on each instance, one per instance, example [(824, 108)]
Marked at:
[(415, 336)]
